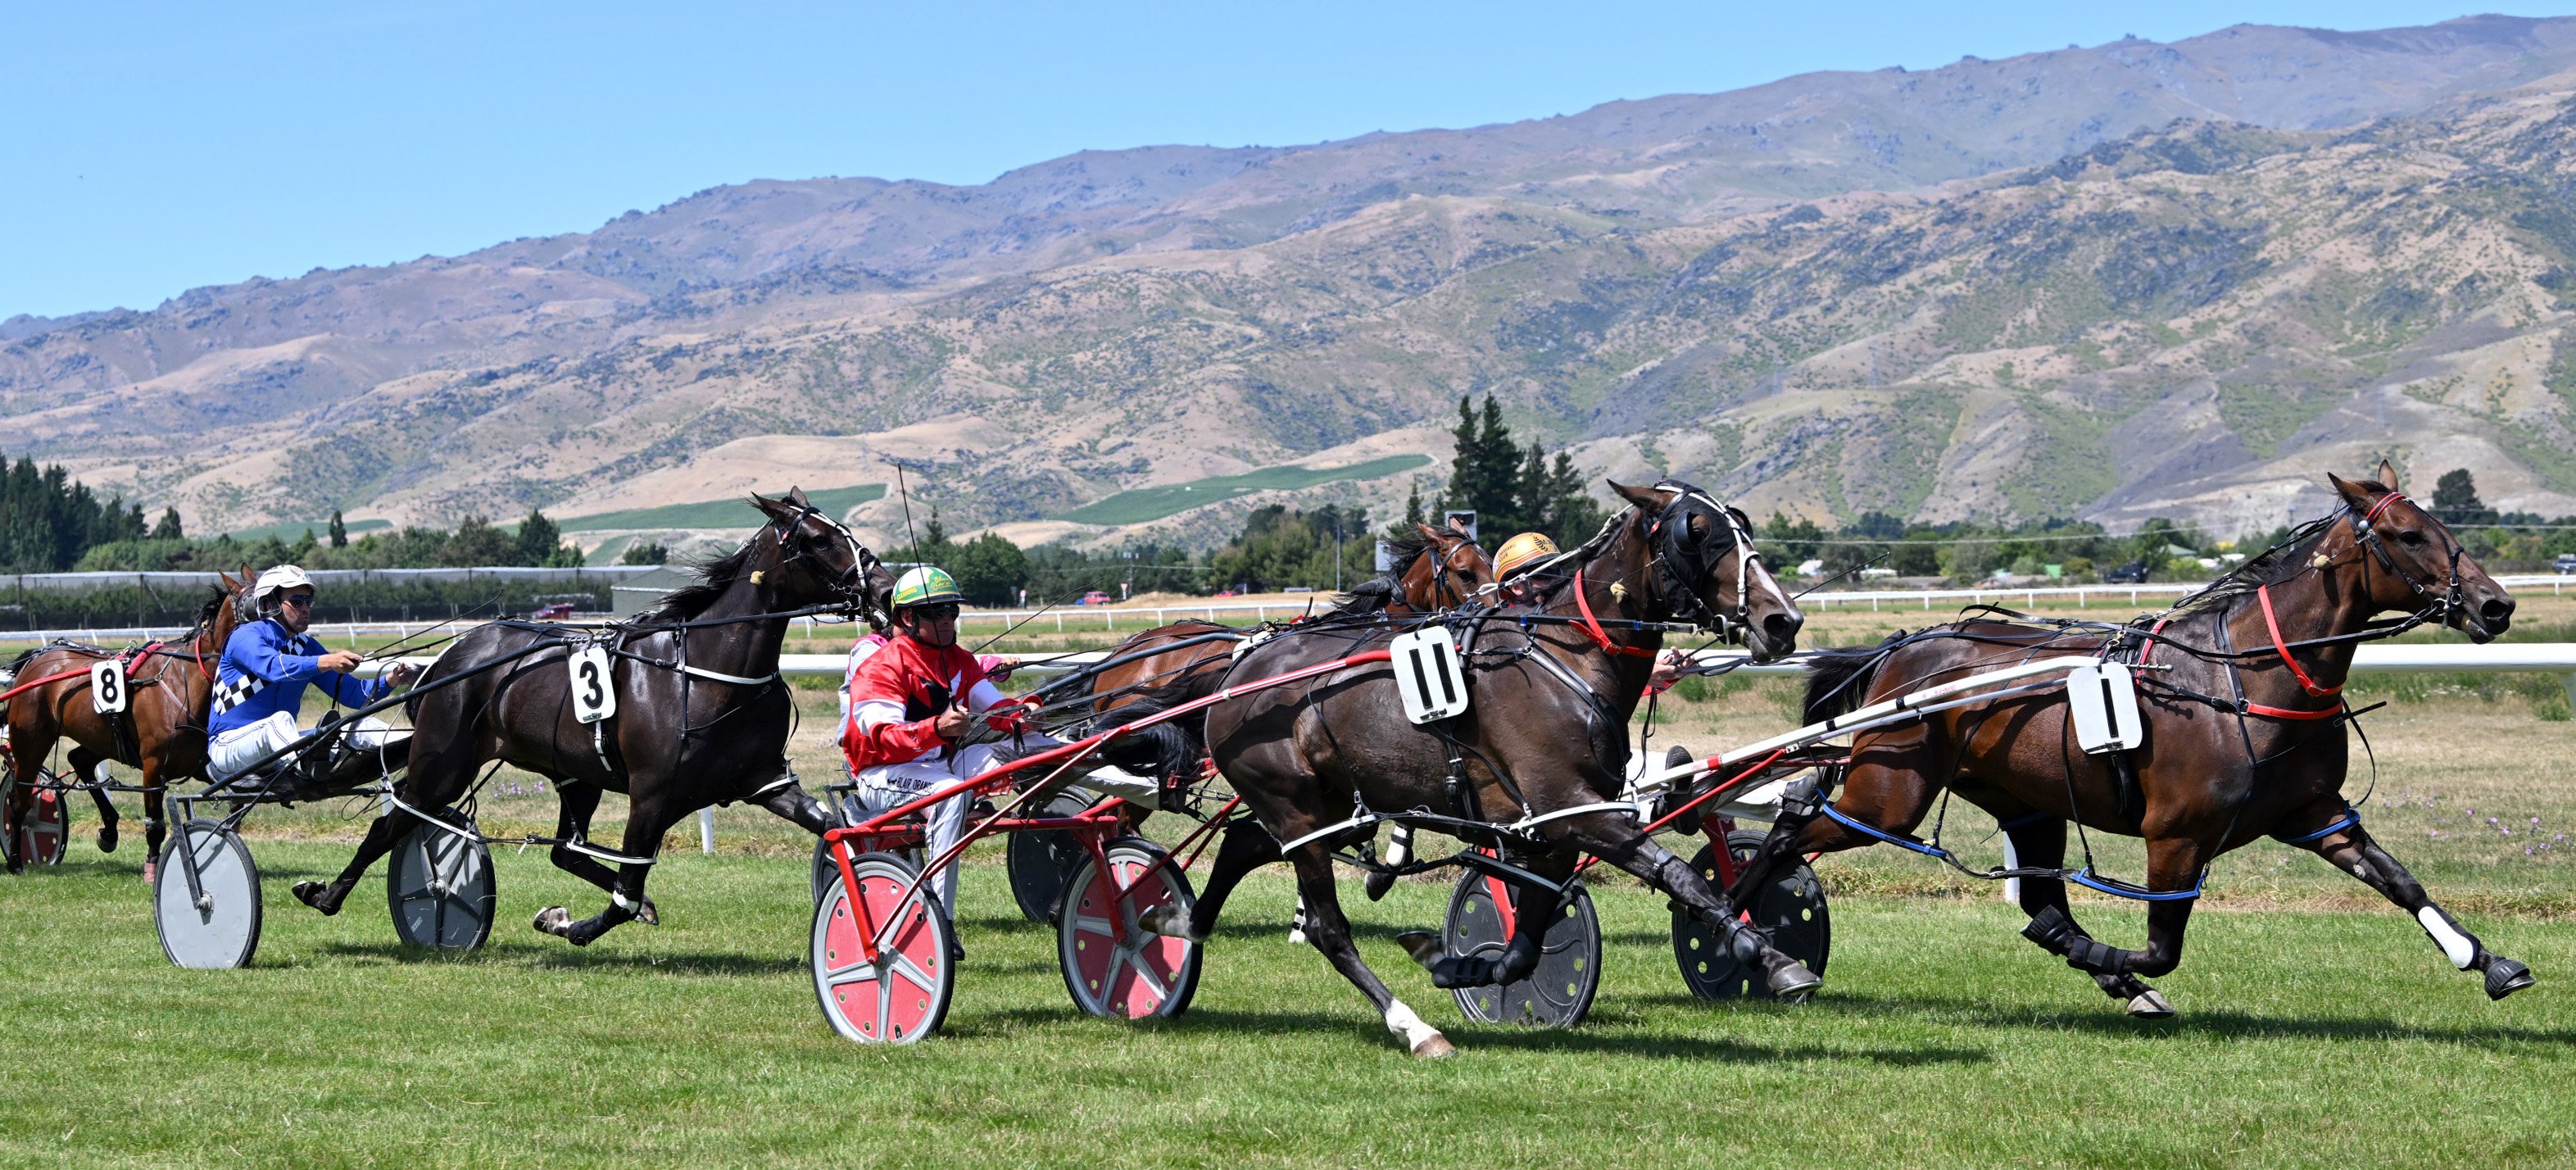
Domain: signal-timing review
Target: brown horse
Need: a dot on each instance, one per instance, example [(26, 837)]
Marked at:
[(1544, 742), (162, 731), (2243, 736)]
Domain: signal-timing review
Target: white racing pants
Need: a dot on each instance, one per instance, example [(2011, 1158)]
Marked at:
[(242, 746), (891, 786)]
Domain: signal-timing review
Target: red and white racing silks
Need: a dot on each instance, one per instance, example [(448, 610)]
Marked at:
[(895, 688)]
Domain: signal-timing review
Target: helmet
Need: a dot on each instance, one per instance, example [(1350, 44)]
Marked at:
[(277, 580), (1521, 550), (924, 586)]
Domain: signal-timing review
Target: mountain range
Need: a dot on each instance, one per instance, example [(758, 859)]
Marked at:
[(2131, 280)]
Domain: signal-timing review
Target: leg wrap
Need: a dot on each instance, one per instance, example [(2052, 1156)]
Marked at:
[(2058, 935)]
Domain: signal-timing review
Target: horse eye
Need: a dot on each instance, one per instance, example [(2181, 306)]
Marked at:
[(2411, 537)]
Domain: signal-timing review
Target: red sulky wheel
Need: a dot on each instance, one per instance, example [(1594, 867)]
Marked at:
[(48, 831), (903, 995), (1145, 975)]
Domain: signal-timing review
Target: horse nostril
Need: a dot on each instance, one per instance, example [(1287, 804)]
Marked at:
[(1780, 627), (2496, 611)]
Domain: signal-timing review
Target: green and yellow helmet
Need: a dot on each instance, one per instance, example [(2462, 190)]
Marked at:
[(925, 585)]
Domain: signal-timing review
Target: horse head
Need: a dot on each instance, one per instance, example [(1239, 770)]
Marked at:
[(1705, 569), (1449, 570), (819, 561), (2410, 561)]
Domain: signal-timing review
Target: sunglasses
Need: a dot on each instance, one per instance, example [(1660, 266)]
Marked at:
[(934, 613), (297, 601)]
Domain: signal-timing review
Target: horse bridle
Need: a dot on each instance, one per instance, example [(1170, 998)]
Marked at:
[(2366, 534), (1441, 570), (1680, 567), (851, 584)]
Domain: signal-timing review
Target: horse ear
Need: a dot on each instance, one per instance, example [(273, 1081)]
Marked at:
[(2358, 494), (1646, 499), (2387, 475), (773, 508), (796, 496), (1436, 535)]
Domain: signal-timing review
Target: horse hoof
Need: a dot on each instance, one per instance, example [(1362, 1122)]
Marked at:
[(2505, 976), (2150, 1006), (1423, 945), (314, 894), (554, 920), (1434, 1047), (1794, 980), (1168, 920), (647, 915), (1377, 885), (107, 838)]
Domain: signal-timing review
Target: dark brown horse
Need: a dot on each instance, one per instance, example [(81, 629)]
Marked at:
[(2243, 736), (162, 731), (1547, 733), (701, 715)]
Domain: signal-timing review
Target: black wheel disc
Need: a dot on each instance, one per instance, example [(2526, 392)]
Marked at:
[(1041, 862), (1790, 908), (1559, 992)]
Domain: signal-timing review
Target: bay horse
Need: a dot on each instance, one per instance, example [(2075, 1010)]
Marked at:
[(1436, 568), (1547, 733), (2243, 736), (162, 731), (702, 716)]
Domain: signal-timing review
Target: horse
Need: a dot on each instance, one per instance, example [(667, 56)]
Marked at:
[(2239, 744), (701, 716), (162, 731), (1436, 568), (1547, 734)]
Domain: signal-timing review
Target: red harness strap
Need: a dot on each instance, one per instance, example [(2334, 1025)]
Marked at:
[(2273, 625), (1592, 625)]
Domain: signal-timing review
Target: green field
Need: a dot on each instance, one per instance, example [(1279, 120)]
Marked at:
[(727, 513), (294, 530), (2305, 1039), (1154, 503)]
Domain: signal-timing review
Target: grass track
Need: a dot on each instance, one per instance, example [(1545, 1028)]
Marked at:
[(2306, 1039)]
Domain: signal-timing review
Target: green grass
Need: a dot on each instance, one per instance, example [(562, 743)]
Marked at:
[(1154, 503), (293, 530), (725, 513), (1942, 1040)]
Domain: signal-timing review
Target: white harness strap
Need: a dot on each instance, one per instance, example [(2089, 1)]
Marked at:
[(735, 679)]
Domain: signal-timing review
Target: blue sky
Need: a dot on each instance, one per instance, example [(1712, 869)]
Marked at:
[(151, 149)]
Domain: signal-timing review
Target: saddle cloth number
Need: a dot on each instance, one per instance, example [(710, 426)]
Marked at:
[(1428, 676), (107, 687), (594, 689), (2103, 699)]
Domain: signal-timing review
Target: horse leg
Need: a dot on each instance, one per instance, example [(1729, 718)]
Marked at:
[(2039, 842), (2173, 864), (1618, 842), (93, 775), (1539, 905), (155, 783), (1331, 934), (1245, 846), (2352, 850), (645, 825), (789, 799), (21, 797), (387, 831)]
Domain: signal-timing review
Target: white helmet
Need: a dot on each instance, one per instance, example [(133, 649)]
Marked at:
[(281, 577)]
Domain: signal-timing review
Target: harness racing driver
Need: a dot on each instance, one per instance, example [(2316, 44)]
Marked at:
[(260, 681), (909, 726)]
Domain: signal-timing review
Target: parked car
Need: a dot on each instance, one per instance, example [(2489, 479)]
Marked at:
[(1095, 597), (552, 613), (2133, 573), (2566, 563)]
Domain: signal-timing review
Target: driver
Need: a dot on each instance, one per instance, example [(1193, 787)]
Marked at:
[(910, 704), (260, 681)]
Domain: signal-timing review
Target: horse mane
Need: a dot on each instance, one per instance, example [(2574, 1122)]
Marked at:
[(213, 607), (1374, 594), (2270, 567), (714, 577)]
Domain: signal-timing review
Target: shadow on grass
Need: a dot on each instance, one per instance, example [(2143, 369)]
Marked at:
[(568, 958), (2227, 1024), (1588, 1041)]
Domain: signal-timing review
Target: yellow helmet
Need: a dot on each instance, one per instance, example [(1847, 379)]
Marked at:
[(1521, 550)]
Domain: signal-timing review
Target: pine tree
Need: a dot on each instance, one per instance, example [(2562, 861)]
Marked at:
[(168, 528), (339, 528), (538, 539)]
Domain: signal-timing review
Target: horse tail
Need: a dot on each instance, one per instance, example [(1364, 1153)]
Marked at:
[(1171, 749), (1838, 677)]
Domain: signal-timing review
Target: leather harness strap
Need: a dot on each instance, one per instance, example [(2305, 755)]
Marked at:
[(1592, 625)]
